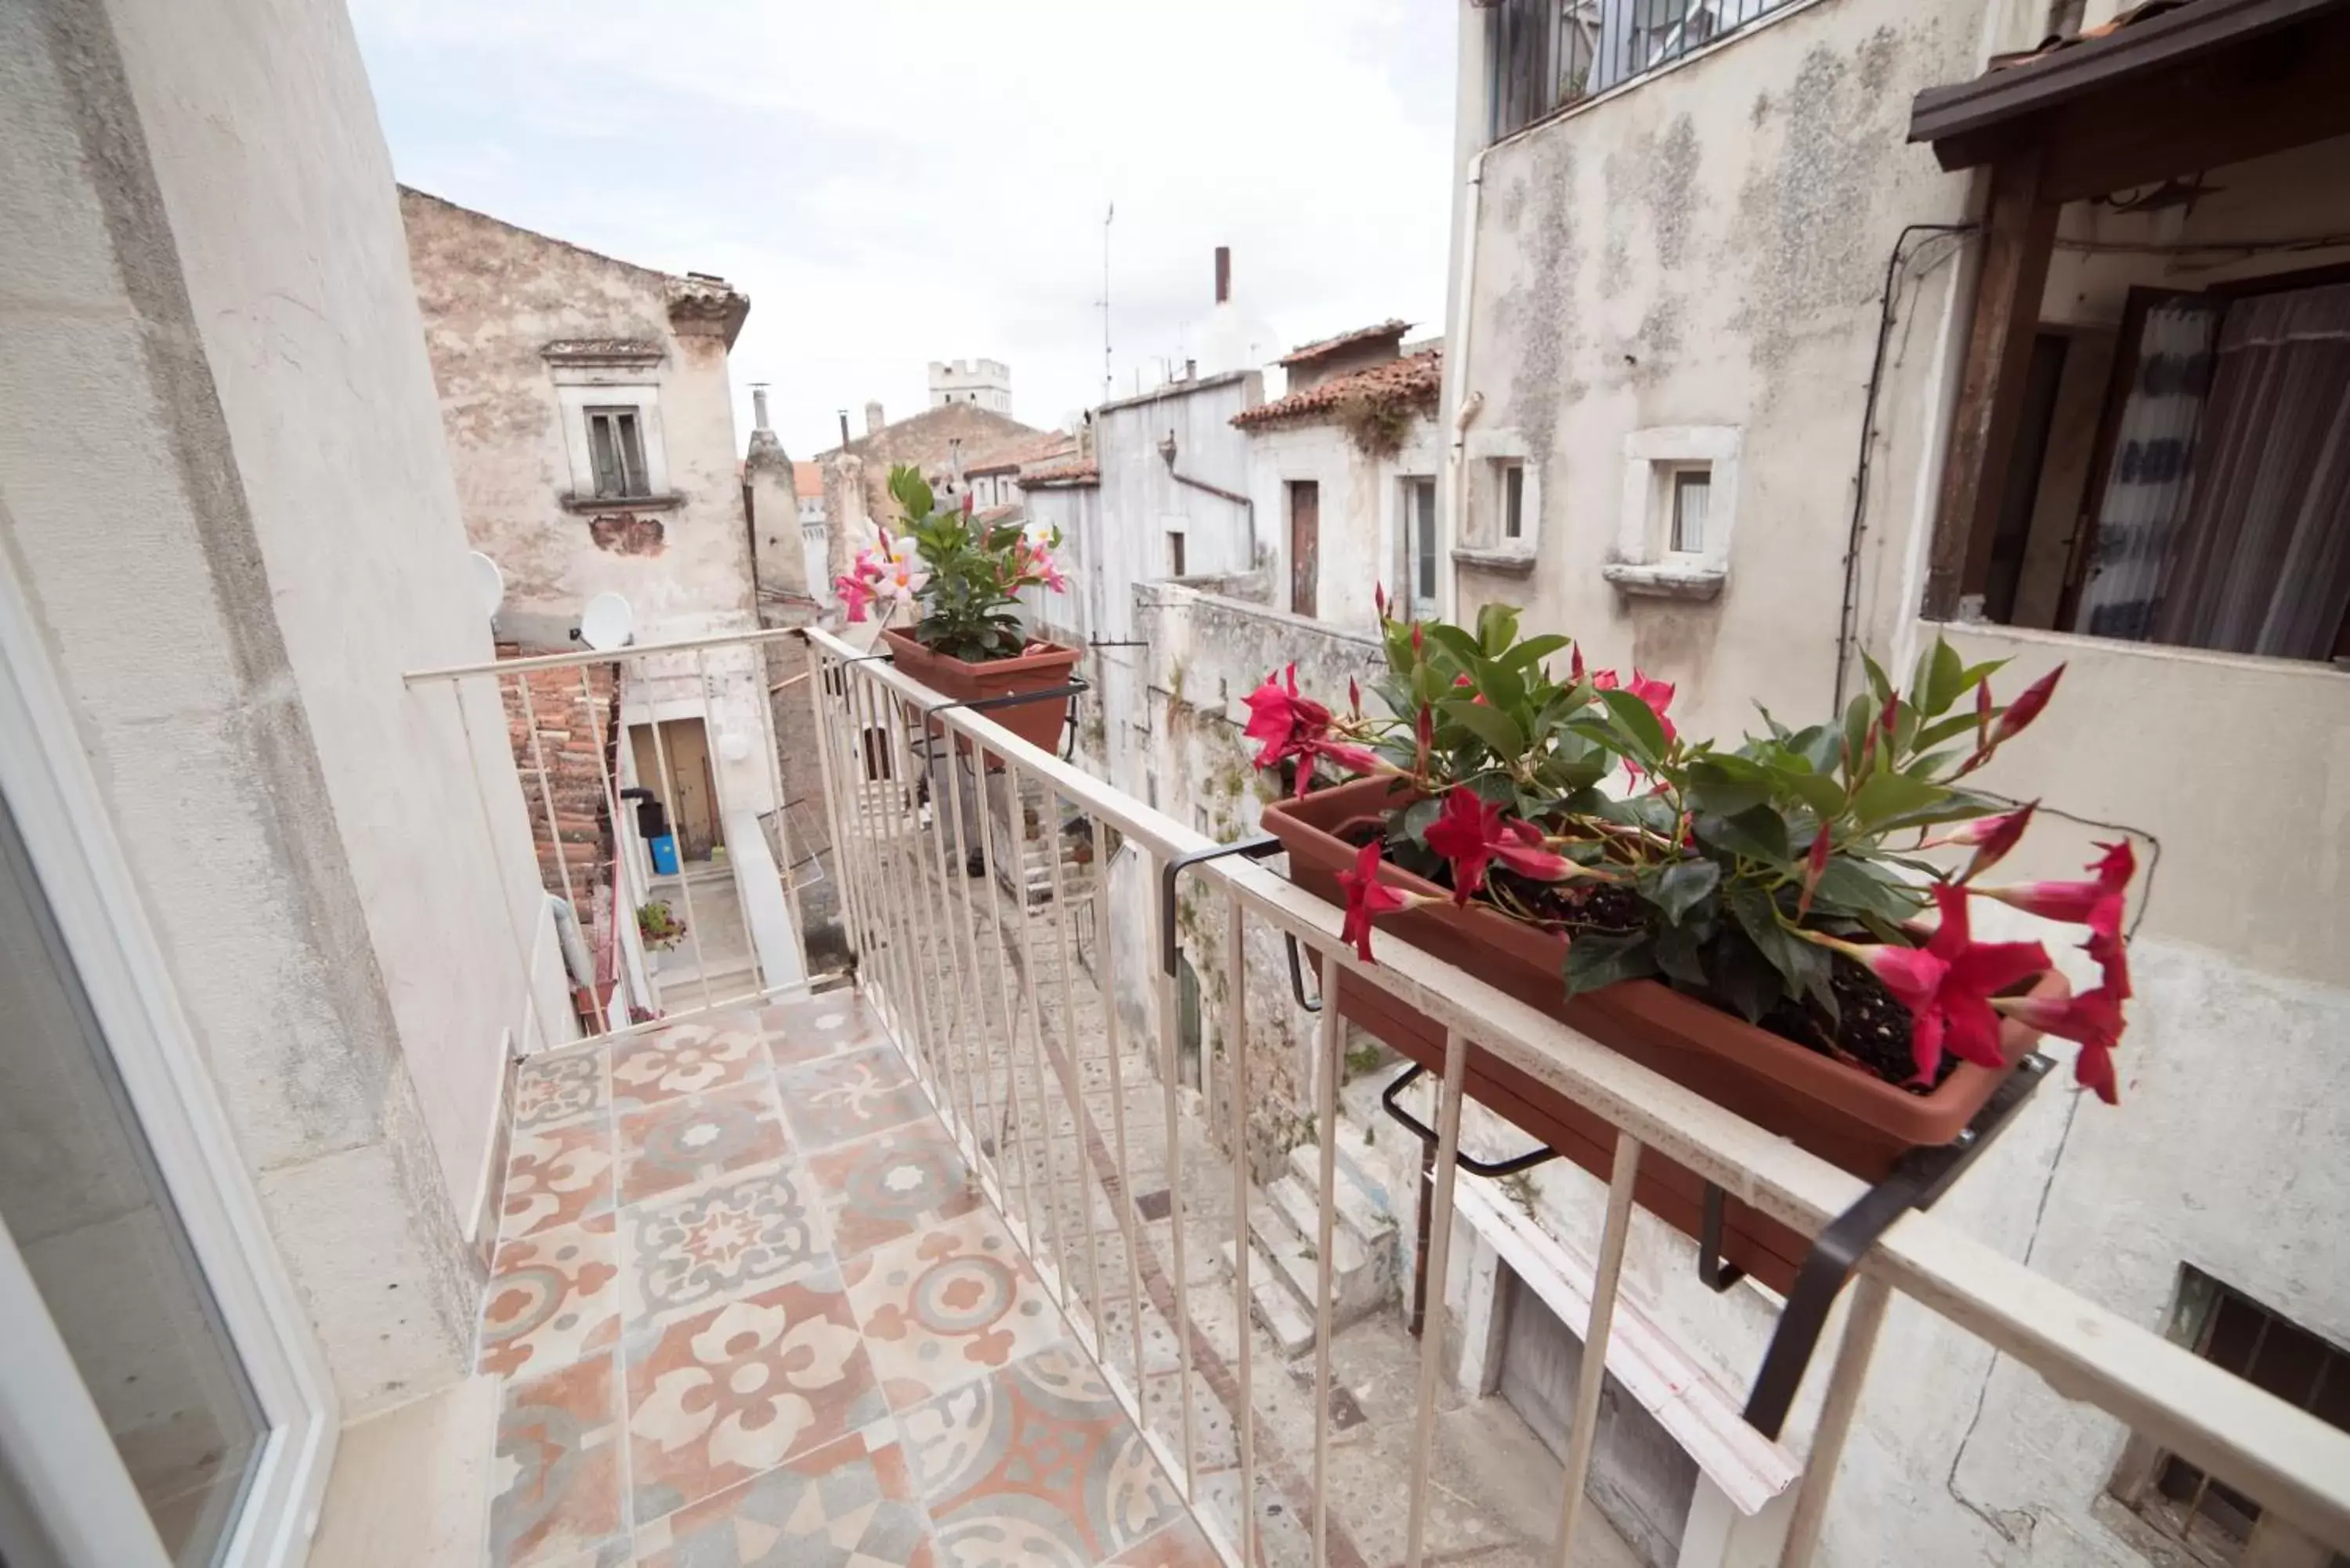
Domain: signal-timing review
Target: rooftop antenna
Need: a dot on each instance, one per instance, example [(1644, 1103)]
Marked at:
[(1107, 218)]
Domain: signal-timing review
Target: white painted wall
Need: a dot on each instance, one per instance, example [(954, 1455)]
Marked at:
[(1362, 520), (1707, 247), (222, 480)]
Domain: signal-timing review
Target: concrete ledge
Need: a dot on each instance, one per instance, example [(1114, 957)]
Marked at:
[(1503, 562), (668, 503), (1666, 582)]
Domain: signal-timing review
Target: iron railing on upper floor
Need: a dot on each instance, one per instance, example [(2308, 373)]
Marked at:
[(1548, 55)]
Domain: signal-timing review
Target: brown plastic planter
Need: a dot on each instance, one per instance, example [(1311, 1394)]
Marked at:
[(1043, 667), (1846, 1116)]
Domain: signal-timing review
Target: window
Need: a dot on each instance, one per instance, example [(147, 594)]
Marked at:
[(1514, 501), (1692, 487), (1420, 545), (1680, 496), (617, 448), (2217, 1524), (1174, 552), (1550, 54), (2190, 493)]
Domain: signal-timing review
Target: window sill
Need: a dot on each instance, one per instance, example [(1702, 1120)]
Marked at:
[(1651, 580), (668, 503), (1507, 563)]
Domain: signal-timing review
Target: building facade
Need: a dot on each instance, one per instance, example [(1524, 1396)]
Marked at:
[(591, 424), (983, 383)]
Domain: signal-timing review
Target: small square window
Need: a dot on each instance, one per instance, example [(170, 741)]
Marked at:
[(617, 446), (1174, 552), (1514, 501), (1692, 489)]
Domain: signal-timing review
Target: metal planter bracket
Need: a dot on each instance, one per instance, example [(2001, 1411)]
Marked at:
[(1918, 1179), (1393, 1094), (1258, 848)]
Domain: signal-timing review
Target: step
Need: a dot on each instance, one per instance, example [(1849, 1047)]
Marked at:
[(1359, 1284), (1277, 1310), (1361, 1204)]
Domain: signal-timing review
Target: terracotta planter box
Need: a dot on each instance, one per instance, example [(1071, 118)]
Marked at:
[(1045, 667), (1846, 1116)]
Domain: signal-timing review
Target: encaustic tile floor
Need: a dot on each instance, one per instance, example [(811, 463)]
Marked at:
[(749, 1309)]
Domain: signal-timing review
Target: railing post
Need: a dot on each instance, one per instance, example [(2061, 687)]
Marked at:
[(1440, 1243), (1164, 984), (979, 1090), (685, 881), (1236, 1053), (1861, 1323), (712, 742), (1325, 1128), (1593, 1376), (1070, 1067), (1104, 947)]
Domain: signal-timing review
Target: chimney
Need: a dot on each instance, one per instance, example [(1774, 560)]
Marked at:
[(873, 416), (1224, 275), (844, 427), (759, 408)]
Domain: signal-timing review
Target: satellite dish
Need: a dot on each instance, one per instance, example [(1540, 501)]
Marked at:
[(606, 622), (489, 583), (733, 745)]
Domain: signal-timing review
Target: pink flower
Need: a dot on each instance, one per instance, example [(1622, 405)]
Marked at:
[(856, 593), (1816, 865), (2094, 1019), (1960, 1016), (2026, 708), (1367, 898), (2097, 903), (1281, 721), (1524, 851), (1992, 837), (1463, 832)]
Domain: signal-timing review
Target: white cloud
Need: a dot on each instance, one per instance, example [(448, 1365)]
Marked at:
[(899, 181)]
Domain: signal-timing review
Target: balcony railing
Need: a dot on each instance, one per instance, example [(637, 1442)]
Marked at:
[(1013, 1001), (1550, 54)]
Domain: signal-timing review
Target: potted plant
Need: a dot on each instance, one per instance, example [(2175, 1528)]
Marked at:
[(1751, 921), (962, 578), (659, 925)]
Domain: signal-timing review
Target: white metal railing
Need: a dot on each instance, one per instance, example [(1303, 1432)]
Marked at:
[(721, 680), (965, 985)]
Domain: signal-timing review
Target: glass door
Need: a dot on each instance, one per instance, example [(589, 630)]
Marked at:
[(98, 1235), (162, 1399)]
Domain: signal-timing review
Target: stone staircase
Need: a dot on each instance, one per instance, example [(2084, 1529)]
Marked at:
[(1283, 1266)]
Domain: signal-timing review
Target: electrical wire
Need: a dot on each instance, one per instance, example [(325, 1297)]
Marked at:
[(1850, 610)]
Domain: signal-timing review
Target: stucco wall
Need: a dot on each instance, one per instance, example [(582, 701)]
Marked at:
[(493, 295), (1707, 247), (1361, 498), (224, 485)]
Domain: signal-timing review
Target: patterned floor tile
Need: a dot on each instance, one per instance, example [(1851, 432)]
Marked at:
[(850, 1096), (550, 1091), (680, 1142), (1180, 1545), (557, 1176), (819, 1026), (849, 1504), (691, 1248), (946, 1304), (721, 1395), (558, 1459), (1036, 1463), (552, 1298), (883, 1188), (687, 1059)]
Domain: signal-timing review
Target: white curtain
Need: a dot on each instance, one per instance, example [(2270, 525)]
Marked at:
[(2145, 493)]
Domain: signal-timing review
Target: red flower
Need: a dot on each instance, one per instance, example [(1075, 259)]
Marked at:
[(1960, 1016), (1816, 865), (2094, 1018), (2096, 903), (1993, 837), (2026, 708), (1367, 899), (1471, 834), (1281, 721)]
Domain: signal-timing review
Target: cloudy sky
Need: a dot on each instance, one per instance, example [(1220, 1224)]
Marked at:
[(899, 181)]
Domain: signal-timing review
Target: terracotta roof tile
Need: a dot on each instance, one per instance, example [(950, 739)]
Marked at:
[(1082, 471), (1415, 377), (807, 479), (1393, 328)]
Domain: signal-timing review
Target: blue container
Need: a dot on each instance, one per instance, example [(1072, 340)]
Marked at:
[(665, 855)]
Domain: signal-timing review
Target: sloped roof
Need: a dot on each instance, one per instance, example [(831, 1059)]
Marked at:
[(1395, 327), (1046, 447), (1414, 378), (928, 440), (1082, 471), (807, 481)]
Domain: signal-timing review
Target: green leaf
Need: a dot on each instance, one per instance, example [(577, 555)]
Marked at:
[(1502, 686), (1685, 885), (1726, 786), (1680, 954), (1851, 883), (1490, 724), (1758, 917), (1941, 730), (1943, 681), (1497, 627), (1637, 722), (1745, 978), (1858, 715), (1757, 833), (1821, 792), (1595, 958), (1818, 745), (1454, 641), (1534, 651), (1877, 683), (1419, 815), (1888, 795)]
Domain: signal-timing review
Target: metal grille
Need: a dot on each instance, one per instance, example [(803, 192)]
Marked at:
[(1549, 54)]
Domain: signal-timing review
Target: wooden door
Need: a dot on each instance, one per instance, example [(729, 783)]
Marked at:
[(1305, 544), (686, 794)]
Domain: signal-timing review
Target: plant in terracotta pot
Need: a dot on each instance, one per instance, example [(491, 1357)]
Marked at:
[(960, 580), (1757, 921)]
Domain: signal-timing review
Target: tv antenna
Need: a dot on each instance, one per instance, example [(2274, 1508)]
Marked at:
[(1107, 218)]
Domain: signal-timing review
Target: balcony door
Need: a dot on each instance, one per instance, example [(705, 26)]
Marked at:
[(161, 1401)]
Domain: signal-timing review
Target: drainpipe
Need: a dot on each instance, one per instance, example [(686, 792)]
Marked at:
[(1167, 451), (1466, 404)]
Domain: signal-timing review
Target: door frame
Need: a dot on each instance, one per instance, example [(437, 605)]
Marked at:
[(61, 813)]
